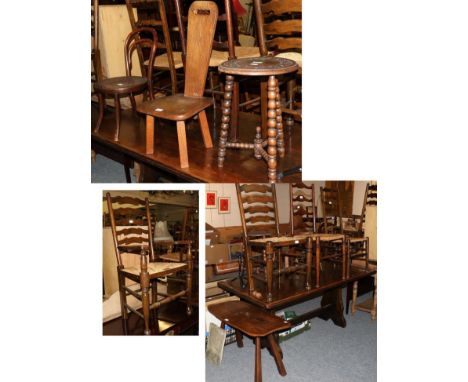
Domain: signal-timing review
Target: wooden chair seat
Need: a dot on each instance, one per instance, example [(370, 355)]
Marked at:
[(121, 85), (175, 108), (157, 269), (162, 61), (292, 56), (218, 57), (173, 256)]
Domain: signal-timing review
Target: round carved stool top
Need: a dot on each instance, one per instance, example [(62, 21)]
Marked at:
[(259, 66)]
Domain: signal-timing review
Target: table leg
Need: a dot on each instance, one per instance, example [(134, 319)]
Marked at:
[(233, 134), (272, 130), (275, 349), (333, 304), (225, 119), (258, 360), (239, 341)]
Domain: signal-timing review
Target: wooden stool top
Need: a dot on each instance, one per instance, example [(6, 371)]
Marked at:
[(121, 85), (248, 318), (259, 66)]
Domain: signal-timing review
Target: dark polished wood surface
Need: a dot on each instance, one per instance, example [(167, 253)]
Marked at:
[(289, 289), (241, 166)]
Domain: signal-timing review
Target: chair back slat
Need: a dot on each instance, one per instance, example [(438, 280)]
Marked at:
[(282, 25), (131, 225), (201, 28), (331, 210), (302, 207)]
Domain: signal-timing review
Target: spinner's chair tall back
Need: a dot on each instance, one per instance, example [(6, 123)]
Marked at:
[(182, 107)]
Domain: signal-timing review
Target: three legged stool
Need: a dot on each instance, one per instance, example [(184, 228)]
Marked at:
[(248, 319)]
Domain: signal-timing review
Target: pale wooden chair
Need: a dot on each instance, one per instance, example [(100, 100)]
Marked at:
[(182, 107)]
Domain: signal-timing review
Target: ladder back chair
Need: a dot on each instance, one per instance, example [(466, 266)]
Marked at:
[(152, 14), (303, 209), (128, 85), (130, 220), (280, 34), (331, 210), (182, 107)]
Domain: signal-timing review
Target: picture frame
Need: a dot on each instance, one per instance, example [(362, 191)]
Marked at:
[(211, 199), (224, 205)]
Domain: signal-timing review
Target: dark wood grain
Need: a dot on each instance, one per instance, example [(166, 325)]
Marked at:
[(241, 166)]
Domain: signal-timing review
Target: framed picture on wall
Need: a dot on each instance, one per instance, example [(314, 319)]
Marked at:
[(211, 199), (224, 205)]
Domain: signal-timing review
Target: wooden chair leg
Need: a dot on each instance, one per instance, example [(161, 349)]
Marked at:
[(182, 144), (145, 299), (101, 111), (149, 134), (132, 100), (258, 360), (239, 341), (117, 117), (205, 130), (123, 303), (154, 298), (275, 349)]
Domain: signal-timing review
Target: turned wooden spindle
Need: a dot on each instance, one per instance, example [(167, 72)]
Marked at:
[(145, 283), (225, 119), (258, 141), (271, 132), (279, 123)]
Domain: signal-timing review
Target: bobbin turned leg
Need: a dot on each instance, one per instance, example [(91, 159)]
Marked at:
[(279, 123), (225, 119), (272, 132)]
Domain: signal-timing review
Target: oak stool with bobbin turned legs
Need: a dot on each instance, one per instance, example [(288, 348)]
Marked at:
[(274, 144)]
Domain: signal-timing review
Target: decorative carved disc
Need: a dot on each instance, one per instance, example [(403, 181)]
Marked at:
[(259, 66)]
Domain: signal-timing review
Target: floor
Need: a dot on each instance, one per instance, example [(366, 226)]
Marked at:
[(324, 353)]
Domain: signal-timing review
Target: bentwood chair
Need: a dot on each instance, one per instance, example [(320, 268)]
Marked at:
[(182, 107), (131, 226), (128, 85), (152, 14)]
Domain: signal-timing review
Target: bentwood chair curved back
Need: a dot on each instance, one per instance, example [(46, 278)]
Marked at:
[(132, 233), (128, 85)]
